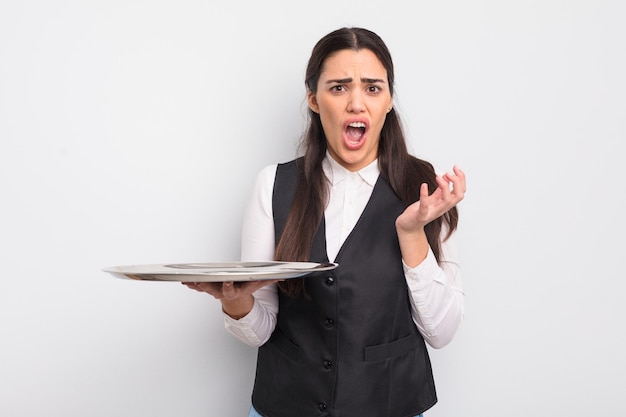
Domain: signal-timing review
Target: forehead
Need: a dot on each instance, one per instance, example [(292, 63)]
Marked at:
[(348, 62)]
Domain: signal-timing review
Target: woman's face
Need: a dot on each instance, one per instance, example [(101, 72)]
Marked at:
[(353, 98)]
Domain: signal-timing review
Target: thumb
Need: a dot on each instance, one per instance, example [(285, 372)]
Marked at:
[(228, 289)]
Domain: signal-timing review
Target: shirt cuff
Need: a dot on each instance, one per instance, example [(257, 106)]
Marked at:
[(243, 328)]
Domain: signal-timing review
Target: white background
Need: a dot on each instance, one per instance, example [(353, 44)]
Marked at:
[(131, 132)]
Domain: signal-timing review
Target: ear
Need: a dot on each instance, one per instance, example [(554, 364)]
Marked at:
[(312, 100), (390, 106)]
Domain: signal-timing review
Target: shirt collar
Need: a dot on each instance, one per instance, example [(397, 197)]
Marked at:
[(337, 173)]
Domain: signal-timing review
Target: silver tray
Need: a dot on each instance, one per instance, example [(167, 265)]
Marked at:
[(218, 271)]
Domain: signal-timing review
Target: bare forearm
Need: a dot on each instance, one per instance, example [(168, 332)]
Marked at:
[(413, 246)]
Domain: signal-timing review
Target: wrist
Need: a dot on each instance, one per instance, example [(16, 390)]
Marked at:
[(413, 246), (237, 309), (417, 233)]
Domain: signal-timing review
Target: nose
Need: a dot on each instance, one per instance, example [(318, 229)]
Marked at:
[(356, 103)]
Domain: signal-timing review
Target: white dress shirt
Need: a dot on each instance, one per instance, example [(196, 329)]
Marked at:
[(435, 289)]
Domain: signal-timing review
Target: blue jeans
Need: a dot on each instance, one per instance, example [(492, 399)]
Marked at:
[(254, 413)]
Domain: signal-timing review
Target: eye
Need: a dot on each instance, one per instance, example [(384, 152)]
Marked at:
[(374, 89), (338, 88)]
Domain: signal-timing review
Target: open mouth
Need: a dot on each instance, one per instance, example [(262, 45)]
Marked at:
[(355, 132)]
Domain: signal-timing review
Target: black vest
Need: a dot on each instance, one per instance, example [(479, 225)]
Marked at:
[(351, 349)]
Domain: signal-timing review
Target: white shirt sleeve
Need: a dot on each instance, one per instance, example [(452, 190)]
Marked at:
[(257, 244), (436, 294)]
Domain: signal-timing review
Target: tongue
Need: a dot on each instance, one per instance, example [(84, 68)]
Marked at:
[(354, 133)]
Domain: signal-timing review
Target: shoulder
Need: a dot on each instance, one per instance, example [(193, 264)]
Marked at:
[(266, 174), (266, 177), (293, 165), (264, 183)]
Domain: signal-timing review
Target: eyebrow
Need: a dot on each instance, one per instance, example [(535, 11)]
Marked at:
[(349, 80)]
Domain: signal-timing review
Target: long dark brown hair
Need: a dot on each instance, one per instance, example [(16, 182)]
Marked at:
[(403, 171)]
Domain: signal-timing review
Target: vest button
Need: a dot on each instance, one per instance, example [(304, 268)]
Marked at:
[(322, 407), (329, 323), (328, 364), (330, 281)]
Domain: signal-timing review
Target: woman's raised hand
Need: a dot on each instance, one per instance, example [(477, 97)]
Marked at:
[(450, 191)]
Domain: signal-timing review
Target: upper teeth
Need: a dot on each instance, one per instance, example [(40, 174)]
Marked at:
[(357, 124)]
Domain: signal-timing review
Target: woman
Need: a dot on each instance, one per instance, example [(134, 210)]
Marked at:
[(349, 342)]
